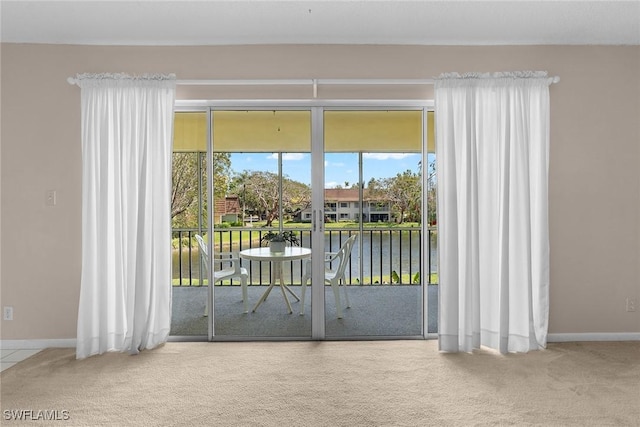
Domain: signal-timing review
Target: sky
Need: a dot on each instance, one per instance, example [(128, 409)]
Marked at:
[(341, 169)]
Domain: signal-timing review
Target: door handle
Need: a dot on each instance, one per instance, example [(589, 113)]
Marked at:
[(317, 220)]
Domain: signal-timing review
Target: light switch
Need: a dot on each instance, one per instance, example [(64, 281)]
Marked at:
[(51, 197)]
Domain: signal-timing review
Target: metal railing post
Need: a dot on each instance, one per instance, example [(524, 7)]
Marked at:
[(401, 260)]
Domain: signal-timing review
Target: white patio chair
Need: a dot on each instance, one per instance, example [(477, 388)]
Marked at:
[(333, 277), (232, 270)]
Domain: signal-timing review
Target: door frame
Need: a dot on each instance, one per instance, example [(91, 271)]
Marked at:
[(317, 107)]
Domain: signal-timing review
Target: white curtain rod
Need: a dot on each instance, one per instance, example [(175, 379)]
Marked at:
[(302, 82), (314, 82)]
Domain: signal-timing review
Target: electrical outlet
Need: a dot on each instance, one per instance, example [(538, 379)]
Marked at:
[(631, 304), (7, 313)]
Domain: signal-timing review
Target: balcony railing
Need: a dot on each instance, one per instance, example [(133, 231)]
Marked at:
[(380, 256)]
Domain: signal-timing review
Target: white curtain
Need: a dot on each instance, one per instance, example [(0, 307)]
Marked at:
[(492, 145), (125, 295)]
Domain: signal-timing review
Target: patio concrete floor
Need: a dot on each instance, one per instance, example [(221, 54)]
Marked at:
[(376, 311)]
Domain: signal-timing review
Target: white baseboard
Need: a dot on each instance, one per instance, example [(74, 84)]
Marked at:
[(595, 336), (71, 342), (36, 344)]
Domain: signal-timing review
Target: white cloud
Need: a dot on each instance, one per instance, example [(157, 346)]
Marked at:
[(331, 184), (292, 156), (287, 156), (333, 164), (387, 156)]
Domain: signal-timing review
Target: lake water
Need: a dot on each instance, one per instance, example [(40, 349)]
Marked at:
[(381, 252)]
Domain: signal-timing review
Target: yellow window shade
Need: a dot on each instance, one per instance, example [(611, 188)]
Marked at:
[(290, 131), (262, 131), (190, 131), (431, 132), (373, 131)]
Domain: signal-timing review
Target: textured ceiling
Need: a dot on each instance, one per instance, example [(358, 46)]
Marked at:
[(321, 22)]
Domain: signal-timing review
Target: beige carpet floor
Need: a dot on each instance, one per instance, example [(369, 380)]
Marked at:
[(373, 383)]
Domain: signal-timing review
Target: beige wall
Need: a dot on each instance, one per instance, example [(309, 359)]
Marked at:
[(594, 176)]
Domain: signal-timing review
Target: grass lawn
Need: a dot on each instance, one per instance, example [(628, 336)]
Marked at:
[(226, 234)]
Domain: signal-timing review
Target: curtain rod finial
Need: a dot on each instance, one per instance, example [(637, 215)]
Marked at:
[(71, 80)]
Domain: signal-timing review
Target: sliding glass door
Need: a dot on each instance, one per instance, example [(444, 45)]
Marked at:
[(350, 185)]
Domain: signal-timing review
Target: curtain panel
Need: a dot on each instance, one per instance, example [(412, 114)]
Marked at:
[(492, 145), (125, 295)]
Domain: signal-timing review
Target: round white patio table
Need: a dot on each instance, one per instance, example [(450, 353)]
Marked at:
[(291, 253)]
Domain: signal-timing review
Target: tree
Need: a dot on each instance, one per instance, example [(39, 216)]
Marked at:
[(296, 197), (431, 194), (184, 190), (402, 191), (221, 174), (189, 171), (259, 192)]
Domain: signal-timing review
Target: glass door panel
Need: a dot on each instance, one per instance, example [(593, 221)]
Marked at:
[(373, 191), (189, 218), (267, 190), (432, 243)]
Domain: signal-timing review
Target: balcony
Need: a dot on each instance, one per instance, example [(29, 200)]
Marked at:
[(384, 278)]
